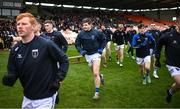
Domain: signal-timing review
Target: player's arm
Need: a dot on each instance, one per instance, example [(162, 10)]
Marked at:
[(10, 78), (114, 37), (64, 43), (152, 40), (59, 56), (102, 39), (78, 43), (162, 41), (134, 42), (126, 38)]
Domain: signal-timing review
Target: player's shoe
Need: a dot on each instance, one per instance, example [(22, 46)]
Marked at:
[(155, 75), (117, 62), (105, 65), (148, 79), (96, 96), (133, 57), (120, 64), (168, 97), (102, 79), (144, 81), (110, 59)]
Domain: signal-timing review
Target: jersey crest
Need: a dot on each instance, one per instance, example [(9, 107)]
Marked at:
[(93, 37), (35, 53)]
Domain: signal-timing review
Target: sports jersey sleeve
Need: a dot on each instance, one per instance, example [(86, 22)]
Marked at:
[(59, 56), (78, 43), (102, 40), (162, 41), (134, 41), (114, 38), (152, 40), (10, 78), (64, 43)]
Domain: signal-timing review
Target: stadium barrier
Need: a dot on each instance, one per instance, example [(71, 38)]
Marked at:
[(77, 58)]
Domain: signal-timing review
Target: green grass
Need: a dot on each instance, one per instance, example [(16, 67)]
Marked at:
[(122, 89)]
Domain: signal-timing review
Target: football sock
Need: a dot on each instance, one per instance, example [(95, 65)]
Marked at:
[(170, 91), (97, 90), (144, 77), (155, 69), (147, 72)]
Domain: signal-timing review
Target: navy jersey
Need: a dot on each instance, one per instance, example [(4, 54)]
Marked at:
[(108, 34), (156, 35), (119, 37), (130, 34), (59, 39), (35, 64), (141, 43), (171, 41), (90, 41), (45, 36)]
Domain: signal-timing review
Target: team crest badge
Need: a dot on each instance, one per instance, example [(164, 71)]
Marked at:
[(35, 53), (174, 42), (93, 37)]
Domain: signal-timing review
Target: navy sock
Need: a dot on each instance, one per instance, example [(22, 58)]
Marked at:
[(147, 72), (170, 91), (97, 89)]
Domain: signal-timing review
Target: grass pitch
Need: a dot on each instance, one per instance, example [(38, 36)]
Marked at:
[(123, 87)]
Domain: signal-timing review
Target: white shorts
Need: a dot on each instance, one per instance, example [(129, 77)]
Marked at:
[(118, 47), (173, 70), (151, 52), (45, 103), (104, 52), (91, 58), (108, 45), (141, 61)]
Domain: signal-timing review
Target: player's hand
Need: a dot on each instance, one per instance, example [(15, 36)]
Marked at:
[(100, 51), (157, 63), (115, 44), (83, 52), (143, 44), (54, 85), (126, 46), (8, 80)]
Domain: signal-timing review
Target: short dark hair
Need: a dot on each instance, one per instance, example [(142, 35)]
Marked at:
[(49, 21), (87, 20), (141, 26)]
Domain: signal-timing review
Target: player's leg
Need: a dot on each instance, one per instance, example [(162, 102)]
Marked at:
[(175, 73), (132, 52), (117, 54), (104, 58), (96, 74), (155, 70), (140, 62), (109, 50), (147, 61), (121, 55)]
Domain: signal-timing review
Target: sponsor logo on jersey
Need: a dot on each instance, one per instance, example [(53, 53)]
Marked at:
[(35, 53), (19, 56)]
